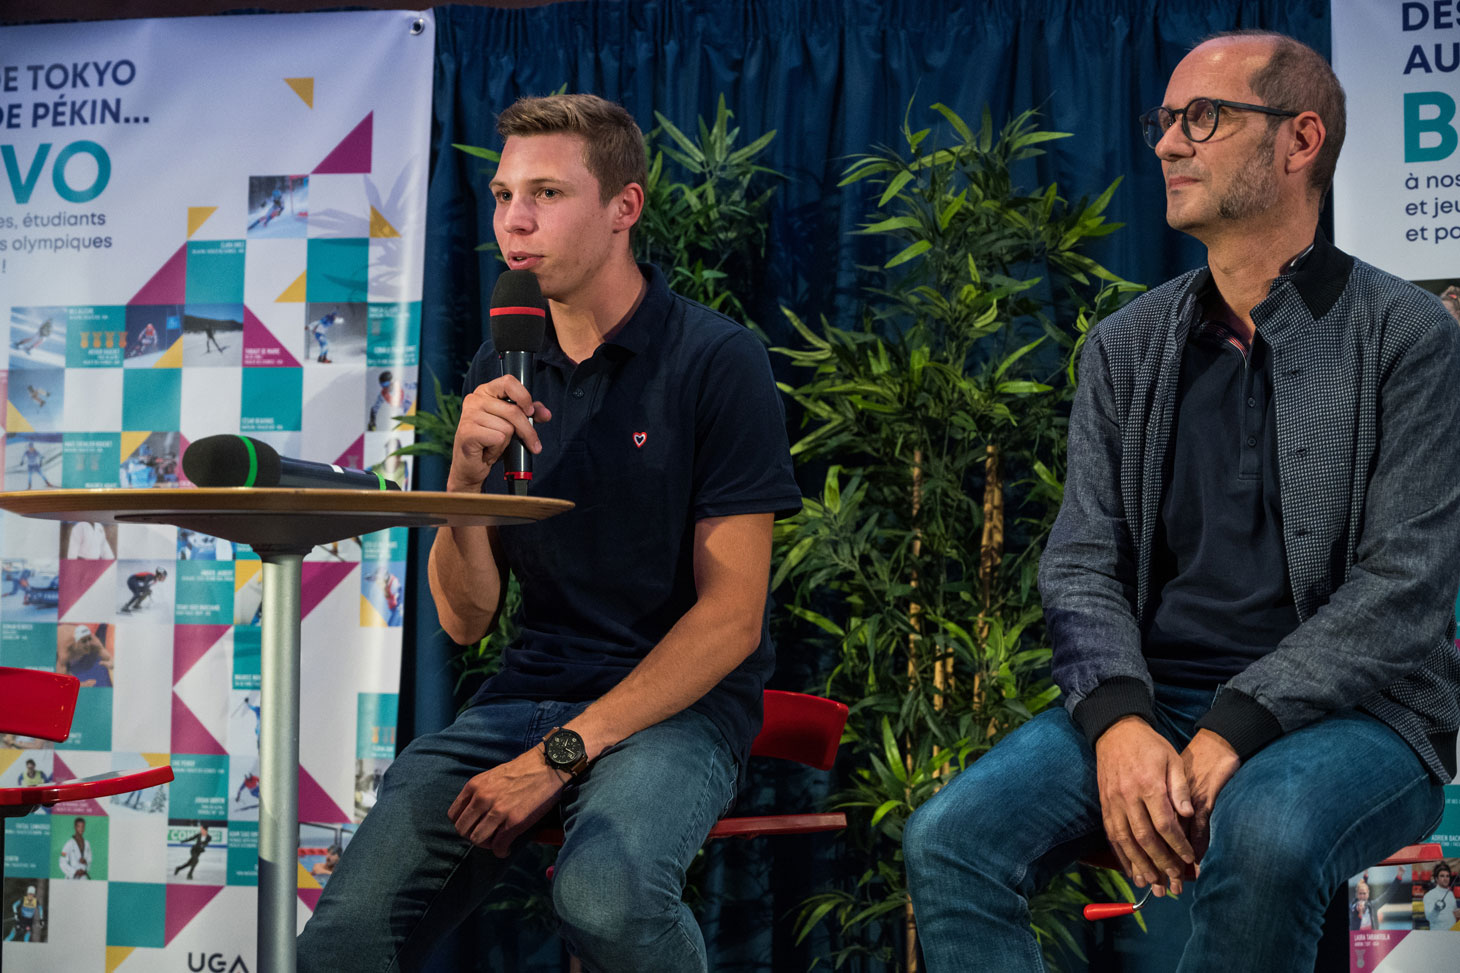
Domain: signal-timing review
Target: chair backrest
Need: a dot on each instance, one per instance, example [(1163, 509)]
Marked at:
[(806, 729), (36, 703)]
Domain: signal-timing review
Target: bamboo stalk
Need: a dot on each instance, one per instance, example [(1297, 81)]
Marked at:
[(910, 944), (991, 545), (910, 923), (990, 555)]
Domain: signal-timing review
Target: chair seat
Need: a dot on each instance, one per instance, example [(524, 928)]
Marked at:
[(752, 826), (771, 824)]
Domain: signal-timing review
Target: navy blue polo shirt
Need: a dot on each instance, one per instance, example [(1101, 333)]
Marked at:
[(674, 419), (1225, 597)]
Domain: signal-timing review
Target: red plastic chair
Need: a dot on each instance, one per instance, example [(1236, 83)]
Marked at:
[(796, 726), (36, 703), (1408, 855)]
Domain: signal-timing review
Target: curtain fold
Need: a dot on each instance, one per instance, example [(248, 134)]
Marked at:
[(833, 78)]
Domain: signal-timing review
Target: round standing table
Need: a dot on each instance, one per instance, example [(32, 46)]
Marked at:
[(281, 526)]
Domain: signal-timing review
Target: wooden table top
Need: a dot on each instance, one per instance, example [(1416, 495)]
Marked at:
[(281, 518)]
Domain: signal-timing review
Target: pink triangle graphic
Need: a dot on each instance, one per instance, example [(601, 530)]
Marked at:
[(310, 897), (189, 735), (315, 806), (77, 577), (189, 644), (353, 152), (61, 772), (320, 578), (169, 285), (184, 902), (354, 456), (260, 348)]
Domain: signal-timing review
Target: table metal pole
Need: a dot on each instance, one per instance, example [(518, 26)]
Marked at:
[(279, 764)]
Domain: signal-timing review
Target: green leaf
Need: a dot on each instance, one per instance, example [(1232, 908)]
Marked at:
[(478, 151), (893, 223), (959, 125), (883, 809), (1004, 365), (895, 186), (1020, 388), (909, 252), (817, 619)]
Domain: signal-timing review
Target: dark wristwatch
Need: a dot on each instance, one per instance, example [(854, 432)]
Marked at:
[(563, 750)]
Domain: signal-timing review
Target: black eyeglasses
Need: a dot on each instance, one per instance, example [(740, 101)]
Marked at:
[(1198, 119)]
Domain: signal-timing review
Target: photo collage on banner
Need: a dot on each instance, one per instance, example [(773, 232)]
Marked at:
[(1396, 204), (164, 278)]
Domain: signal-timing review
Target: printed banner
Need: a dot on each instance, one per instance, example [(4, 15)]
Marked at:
[(207, 225), (1396, 204)]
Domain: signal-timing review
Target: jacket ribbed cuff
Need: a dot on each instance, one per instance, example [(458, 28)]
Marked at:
[(1112, 700), (1242, 721)]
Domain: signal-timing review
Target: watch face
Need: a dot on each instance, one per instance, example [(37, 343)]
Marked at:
[(563, 749)]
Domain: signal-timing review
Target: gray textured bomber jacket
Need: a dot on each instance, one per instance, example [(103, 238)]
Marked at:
[(1366, 386)]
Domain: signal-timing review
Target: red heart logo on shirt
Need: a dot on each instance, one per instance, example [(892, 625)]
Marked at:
[(640, 438)]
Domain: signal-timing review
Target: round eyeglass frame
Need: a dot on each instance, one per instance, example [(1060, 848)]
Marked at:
[(1151, 121)]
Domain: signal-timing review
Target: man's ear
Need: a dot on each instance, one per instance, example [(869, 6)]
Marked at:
[(627, 206), (1309, 134)]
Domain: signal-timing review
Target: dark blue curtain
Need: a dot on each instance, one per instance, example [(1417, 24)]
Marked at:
[(833, 78)]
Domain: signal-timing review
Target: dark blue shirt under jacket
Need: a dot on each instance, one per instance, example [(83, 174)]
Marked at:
[(1223, 595), (674, 419)]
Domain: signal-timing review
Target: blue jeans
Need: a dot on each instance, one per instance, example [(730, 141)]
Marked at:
[(1295, 821), (632, 824)]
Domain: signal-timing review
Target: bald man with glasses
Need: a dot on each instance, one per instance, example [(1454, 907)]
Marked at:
[(1250, 587)]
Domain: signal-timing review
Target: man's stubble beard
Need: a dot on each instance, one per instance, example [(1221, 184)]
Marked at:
[(1254, 186)]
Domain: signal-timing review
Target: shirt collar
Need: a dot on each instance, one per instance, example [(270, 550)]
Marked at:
[(1319, 274), (638, 333)]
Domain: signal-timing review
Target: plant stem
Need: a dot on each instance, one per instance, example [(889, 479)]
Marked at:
[(910, 951)]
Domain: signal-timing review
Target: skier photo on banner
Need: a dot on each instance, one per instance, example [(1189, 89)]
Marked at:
[(278, 207), (38, 335), (393, 399), (27, 915), (319, 330)]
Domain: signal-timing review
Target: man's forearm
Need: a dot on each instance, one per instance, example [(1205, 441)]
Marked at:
[(702, 648), (466, 582)]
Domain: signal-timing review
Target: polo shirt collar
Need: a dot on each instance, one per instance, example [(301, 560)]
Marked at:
[(638, 333), (1319, 275)]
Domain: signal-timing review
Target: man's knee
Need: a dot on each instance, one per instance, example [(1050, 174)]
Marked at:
[(1271, 843), (961, 822), (606, 898), (930, 830)]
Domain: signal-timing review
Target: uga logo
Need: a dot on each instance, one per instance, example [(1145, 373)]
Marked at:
[(215, 963)]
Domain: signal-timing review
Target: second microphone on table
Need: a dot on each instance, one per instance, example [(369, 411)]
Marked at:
[(241, 461)]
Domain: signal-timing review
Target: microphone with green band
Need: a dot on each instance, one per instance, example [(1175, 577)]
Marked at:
[(241, 461)]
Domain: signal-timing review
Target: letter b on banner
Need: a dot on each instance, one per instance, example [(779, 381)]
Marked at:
[(1416, 127)]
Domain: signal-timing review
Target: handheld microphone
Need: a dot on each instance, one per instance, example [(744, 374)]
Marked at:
[(519, 326), (239, 461)]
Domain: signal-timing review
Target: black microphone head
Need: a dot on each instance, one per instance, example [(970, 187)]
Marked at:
[(230, 461), (519, 314)]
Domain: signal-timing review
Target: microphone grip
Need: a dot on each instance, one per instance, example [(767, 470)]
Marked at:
[(302, 474), (1096, 911), (517, 461)]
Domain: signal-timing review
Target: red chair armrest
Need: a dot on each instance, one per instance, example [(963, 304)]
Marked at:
[(87, 788)]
